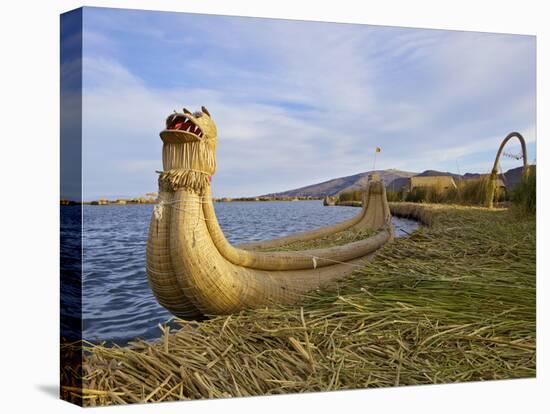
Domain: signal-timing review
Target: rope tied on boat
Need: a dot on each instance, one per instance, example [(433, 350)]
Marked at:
[(190, 178), (158, 211)]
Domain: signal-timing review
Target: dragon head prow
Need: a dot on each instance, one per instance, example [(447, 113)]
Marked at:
[(184, 127), (189, 151)]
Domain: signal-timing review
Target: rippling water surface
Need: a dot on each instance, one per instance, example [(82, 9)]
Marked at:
[(117, 304)]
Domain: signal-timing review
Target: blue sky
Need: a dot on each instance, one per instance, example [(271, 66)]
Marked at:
[(297, 102)]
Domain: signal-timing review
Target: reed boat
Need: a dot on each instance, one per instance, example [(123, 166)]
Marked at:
[(192, 268)]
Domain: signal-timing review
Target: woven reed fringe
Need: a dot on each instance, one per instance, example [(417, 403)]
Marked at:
[(187, 166), (173, 180), (193, 155)]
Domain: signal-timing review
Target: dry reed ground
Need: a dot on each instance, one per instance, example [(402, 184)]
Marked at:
[(453, 302)]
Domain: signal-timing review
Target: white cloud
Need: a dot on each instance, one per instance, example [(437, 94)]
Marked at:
[(139, 166), (427, 97)]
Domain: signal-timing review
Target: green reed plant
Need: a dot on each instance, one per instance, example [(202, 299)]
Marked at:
[(417, 195), (468, 192), (394, 196), (524, 196), (350, 195)]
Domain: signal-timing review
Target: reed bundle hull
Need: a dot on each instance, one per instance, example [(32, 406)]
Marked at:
[(194, 271)]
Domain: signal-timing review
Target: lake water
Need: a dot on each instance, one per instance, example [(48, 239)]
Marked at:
[(117, 304)]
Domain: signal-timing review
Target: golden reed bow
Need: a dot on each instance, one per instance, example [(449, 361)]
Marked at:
[(194, 271)]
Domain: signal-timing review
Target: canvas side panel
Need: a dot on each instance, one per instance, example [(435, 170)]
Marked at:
[(70, 206)]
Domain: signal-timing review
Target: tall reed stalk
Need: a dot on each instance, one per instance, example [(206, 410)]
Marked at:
[(524, 196)]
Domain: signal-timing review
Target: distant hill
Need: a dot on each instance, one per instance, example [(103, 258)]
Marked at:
[(434, 173), (513, 177), (336, 185), (394, 180)]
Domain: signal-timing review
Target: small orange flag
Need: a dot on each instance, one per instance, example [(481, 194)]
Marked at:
[(378, 149)]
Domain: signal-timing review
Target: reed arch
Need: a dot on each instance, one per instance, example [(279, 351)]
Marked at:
[(494, 171)]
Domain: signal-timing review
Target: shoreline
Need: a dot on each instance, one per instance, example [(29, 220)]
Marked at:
[(106, 202)]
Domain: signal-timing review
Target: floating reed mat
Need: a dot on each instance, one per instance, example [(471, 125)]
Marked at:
[(453, 302)]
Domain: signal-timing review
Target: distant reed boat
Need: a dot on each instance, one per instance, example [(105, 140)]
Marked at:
[(194, 271)]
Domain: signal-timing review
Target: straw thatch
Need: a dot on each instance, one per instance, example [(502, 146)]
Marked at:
[(193, 269), (454, 302), (438, 181)]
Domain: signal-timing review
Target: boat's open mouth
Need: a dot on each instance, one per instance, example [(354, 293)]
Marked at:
[(181, 128)]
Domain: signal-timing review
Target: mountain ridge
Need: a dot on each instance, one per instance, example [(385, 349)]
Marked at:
[(392, 178), (336, 185)]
